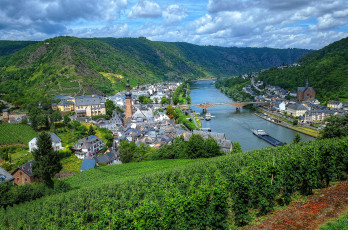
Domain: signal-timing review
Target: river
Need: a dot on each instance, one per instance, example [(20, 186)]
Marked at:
[(236, 124)]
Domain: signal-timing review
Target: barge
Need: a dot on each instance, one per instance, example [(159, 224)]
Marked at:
[(263, 135), (208, 116)]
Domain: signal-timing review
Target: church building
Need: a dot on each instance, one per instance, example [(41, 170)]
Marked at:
[(305, 93)]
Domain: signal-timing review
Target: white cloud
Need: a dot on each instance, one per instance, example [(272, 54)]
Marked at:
[(145, 9), (174, 14)]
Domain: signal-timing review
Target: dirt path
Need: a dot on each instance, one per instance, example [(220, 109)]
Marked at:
[(320, 208)]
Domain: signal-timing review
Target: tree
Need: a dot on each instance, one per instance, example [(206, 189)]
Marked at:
[(127, 151), (46, 161), (236, 147), (164, 100), (91, 131), (55, 116), (211, 148), (336, 127), (295, 122), (195, 146), (110, 107), (66, 119), (296, 139)]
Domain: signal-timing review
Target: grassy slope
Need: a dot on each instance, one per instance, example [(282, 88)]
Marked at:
[(326, 70), (143, 186), (339, 224), (16, 134)]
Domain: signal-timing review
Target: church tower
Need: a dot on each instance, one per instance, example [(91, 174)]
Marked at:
[(129, 109)]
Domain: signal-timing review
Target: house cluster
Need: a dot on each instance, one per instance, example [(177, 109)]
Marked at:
[(88, 105), (9, 117), (304, 105)]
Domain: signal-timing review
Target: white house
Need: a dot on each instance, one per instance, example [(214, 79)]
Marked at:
[(56, 143), (88, 146)]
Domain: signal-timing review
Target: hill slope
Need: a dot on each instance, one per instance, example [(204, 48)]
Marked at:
[(69, 65), (9, 47), (326, 70)]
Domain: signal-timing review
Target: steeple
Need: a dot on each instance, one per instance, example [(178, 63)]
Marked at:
[(128, 92), (307, 83)]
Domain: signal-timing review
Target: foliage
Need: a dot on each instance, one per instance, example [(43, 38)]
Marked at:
[(326, 70), (11, 194), (110, 107), (164, 100), (144, 100), (189, 194), (336, 127), (46, 161), (16, 134), (296, 139), (236, 147), (339, 224), (91, 131)]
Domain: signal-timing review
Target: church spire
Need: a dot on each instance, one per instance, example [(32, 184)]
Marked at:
[(307, 83), (128, 92)]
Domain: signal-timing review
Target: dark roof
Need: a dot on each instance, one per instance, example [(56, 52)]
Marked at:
[(302, 89), (89, 100), (26, 168), (55, 138), (334, 102), (65, 102), (5, 176), (297, 106), (87, 164), (106, 158)]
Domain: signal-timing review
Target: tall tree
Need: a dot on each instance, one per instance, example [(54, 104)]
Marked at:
[(296, 139), (91, 131), (46, 161), (110, 107), (336, 127)]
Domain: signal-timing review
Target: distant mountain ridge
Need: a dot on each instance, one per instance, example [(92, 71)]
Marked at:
[(76, 66), (326, 70)]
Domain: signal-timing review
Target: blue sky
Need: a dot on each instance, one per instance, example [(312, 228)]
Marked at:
[(310, 24)]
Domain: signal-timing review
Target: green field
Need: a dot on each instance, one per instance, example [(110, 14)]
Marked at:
[(339, 224), (16, 134), (214, 193)]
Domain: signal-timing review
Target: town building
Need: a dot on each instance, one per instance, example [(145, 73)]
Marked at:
[(56, 143), (305, 93), (88, 147), (317, 115), (296, 110), (90, 105), (24, 174), (334, 105)]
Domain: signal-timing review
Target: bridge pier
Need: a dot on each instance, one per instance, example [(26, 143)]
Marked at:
[(204, 110), (237, 108)]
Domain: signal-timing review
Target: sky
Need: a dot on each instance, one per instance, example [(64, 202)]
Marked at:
[(309, 24)]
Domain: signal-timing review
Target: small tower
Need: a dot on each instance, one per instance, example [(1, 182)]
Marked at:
[(307, 83), (5, 115), (129, 109)]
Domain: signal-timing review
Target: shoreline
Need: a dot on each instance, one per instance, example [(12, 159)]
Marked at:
[(285, 126)]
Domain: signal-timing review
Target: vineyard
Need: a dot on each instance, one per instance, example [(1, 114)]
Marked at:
[(221, 192), (16, 134)]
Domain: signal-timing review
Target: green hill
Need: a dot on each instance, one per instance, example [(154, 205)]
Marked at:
[(216, 193), (325, 69), (9, 47), (75, 66)]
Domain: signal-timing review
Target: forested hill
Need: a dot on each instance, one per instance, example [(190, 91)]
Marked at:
[(325, 69), (9, 47), (75, 66)]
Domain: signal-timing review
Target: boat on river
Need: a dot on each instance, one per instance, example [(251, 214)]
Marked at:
[(208, 116), (266, 137)]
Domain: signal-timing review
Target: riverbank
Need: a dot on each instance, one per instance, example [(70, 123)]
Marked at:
[(286, 125)]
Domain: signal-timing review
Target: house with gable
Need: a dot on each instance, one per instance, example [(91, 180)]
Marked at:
[(305, 93), (56, 143), (24, 174), (296, 110), (90, 105)]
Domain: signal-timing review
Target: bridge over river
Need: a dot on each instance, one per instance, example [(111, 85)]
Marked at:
[(238, 105)]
